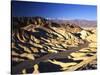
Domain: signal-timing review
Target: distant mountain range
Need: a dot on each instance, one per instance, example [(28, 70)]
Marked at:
[(82, 23)]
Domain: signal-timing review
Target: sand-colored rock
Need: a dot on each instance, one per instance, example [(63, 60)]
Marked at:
[(36, 71), (29, 56), (63, 65), (77, 54), (42, 37), (93, 45), (92, 38)]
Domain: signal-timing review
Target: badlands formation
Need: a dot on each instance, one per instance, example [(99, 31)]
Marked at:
[(40, 45)]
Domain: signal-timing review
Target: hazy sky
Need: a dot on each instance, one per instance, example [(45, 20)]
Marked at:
[(52, 10)]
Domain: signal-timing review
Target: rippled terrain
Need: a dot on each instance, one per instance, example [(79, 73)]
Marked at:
[(40, 45)]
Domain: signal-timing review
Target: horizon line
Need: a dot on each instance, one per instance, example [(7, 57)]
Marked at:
[(61, 18)]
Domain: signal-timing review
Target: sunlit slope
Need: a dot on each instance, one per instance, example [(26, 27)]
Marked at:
[(53, 46)]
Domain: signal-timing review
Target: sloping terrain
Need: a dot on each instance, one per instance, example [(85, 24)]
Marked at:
[(40, 45)]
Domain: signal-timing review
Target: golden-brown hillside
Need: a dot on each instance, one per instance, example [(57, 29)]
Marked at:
[(40, 45)]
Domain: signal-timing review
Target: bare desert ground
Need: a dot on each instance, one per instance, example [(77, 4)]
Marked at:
[(40, 45)]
